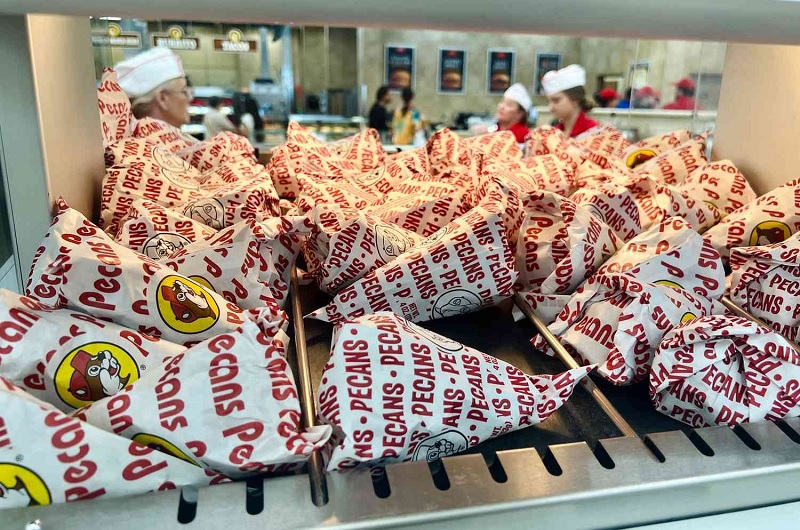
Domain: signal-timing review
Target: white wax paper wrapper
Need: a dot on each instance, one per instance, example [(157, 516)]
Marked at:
[(433, 206), (545, 172), (302, 154), (644, 150), (603, 143), (465, 266), (248, 263), (500, 145), (47, 457), (143, 178), (80, 267), (674, 166), (388, 176), (725, 370), (560, 244), (163, 134), (217, 150), (445, 150), (127, 151), (253, 197), (363, 149), (228, 404), (719, 184), (340, 251), (158, 232), (318, 190), (771, 218), (765, 281), (652, 284), (71, 359), (116, 117), (549, 140), (395, 392)]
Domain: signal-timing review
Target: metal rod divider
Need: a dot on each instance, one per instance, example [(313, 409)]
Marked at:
[(739, 311), (308, 405), (571, 363)]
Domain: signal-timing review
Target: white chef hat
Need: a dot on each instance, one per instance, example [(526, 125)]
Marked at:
[(518, 93), (148, 70), (559, 80)]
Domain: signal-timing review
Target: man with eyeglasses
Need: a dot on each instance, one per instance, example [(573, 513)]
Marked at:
[(156, 85)]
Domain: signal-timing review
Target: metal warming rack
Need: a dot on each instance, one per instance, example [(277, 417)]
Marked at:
[(605, 459)]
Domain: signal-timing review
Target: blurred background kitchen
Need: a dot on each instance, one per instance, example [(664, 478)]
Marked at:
[(326, 78)]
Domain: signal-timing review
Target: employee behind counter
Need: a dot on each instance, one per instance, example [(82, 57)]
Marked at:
[(512, 113)]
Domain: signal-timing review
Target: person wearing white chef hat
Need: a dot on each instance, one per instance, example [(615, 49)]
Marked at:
[(566, 99), (156, 85), (512, 111)]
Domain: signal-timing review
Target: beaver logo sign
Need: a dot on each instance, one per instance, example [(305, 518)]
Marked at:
[(456, 302), (163, 245), (445, 444), (208, 211), (639, 157), (21, 487), (769, 232), (367, 179), (92, 372), (185, 305), (160, 444), (669, 283), (390, 242), (687, 317), (435, 237), (173, 168)]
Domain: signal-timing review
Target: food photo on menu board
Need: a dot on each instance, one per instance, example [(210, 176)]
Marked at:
[(399, 66), (545, 62), (501, 70), (452, 71)]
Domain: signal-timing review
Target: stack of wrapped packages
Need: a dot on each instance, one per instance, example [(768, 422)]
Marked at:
[(160, 332)]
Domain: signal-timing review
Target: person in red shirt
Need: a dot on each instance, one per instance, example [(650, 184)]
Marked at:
[(684, 96), (566, 99), (608, 98), (512, 111)]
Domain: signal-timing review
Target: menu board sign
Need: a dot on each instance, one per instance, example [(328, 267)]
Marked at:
[(545, 62), (398, 71), (234, 42), (174, 39), (452, 76), (114, 37), (501, 72)]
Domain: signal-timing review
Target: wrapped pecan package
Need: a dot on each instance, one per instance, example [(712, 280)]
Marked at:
[(725, 370), (71, 359), (719, 184), (771, 218), (253, 198), (430, 207), (303, 154), (603, 143), (163, 134), (395, 392), (127, 151), (446, 150), (228, 404), (363, 149), (672, 167), (116, 117), (80, 267), (347, 195), (223, 147), (47, 457), (656, 281), (158, 232), (644, 150), (388, 176), (340, 251), (501, 146), (549, 140), (765, 281), (465, 266)]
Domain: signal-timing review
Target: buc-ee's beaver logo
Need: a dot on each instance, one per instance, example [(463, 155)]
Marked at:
[(208, 211), (440, 341), (639, 156), (688, 317), (769, 232), (94, 371), (186, 304), (163, 245), (390, 242), (173, 168), (669, 283), (20, 487), (160, 444), (367, 179), (444, 444), (456, 302)]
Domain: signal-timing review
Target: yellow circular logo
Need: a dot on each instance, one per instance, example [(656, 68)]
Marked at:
[(160, 444), (640, 157), (235, 36), (688, 317), (114, 30), (769, 232), (175, 32), (20, 487), (668, 283), (94, 371), (186, 304)]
